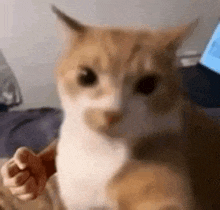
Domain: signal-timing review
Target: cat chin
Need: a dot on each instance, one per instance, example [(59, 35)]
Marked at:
[(108, 132), (115, 134)]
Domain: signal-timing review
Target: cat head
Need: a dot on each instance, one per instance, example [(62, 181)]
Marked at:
[(113, 75)]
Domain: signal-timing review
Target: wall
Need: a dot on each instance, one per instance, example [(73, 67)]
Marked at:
[(29, 42)]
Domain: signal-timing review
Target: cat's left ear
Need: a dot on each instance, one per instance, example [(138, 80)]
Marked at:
[(174, 37), (67, 27), (71, 23)]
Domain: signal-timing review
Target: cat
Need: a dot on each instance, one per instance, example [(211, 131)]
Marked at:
[(131, 139), (117, 86)]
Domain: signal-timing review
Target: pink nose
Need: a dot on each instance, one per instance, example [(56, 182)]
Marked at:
[(113, 117)]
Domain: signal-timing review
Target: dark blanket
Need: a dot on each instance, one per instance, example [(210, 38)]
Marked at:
[(34, 128)]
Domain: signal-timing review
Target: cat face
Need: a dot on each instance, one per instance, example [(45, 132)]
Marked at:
[(120, 81)]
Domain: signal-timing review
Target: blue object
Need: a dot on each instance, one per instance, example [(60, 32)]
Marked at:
[(202, 81), (211, 55)]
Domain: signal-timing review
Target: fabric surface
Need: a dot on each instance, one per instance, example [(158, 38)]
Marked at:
[(33, 128), (202, 85), (10, 93)]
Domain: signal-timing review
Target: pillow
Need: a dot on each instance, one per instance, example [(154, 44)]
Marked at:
[(10, 94)]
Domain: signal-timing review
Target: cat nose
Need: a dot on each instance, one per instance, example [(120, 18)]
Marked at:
[(113, 116)]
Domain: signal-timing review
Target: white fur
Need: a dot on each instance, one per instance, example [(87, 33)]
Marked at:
[(86, 160)]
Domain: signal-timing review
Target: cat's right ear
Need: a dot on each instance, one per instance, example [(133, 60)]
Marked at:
[(67, 27)]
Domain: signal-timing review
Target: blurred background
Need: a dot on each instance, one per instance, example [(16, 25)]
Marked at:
[(29, 43)]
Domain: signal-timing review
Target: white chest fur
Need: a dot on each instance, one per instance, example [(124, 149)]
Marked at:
[(85, 162)]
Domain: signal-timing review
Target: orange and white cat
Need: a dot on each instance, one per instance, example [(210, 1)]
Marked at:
[(131, 139), (117, 86)]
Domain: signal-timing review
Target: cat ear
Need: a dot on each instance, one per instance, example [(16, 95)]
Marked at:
[(68, 29), (174, 37), (68, 21)]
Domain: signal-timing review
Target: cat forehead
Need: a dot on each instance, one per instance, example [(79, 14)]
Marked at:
[(115, 41), (112, 50)]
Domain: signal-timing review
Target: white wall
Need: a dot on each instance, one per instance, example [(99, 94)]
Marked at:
[(29, 43)]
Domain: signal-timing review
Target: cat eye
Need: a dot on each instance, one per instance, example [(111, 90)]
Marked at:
[(146, 85), (87, 77)]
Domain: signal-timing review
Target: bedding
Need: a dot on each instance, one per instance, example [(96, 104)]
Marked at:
[(34, 128)]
